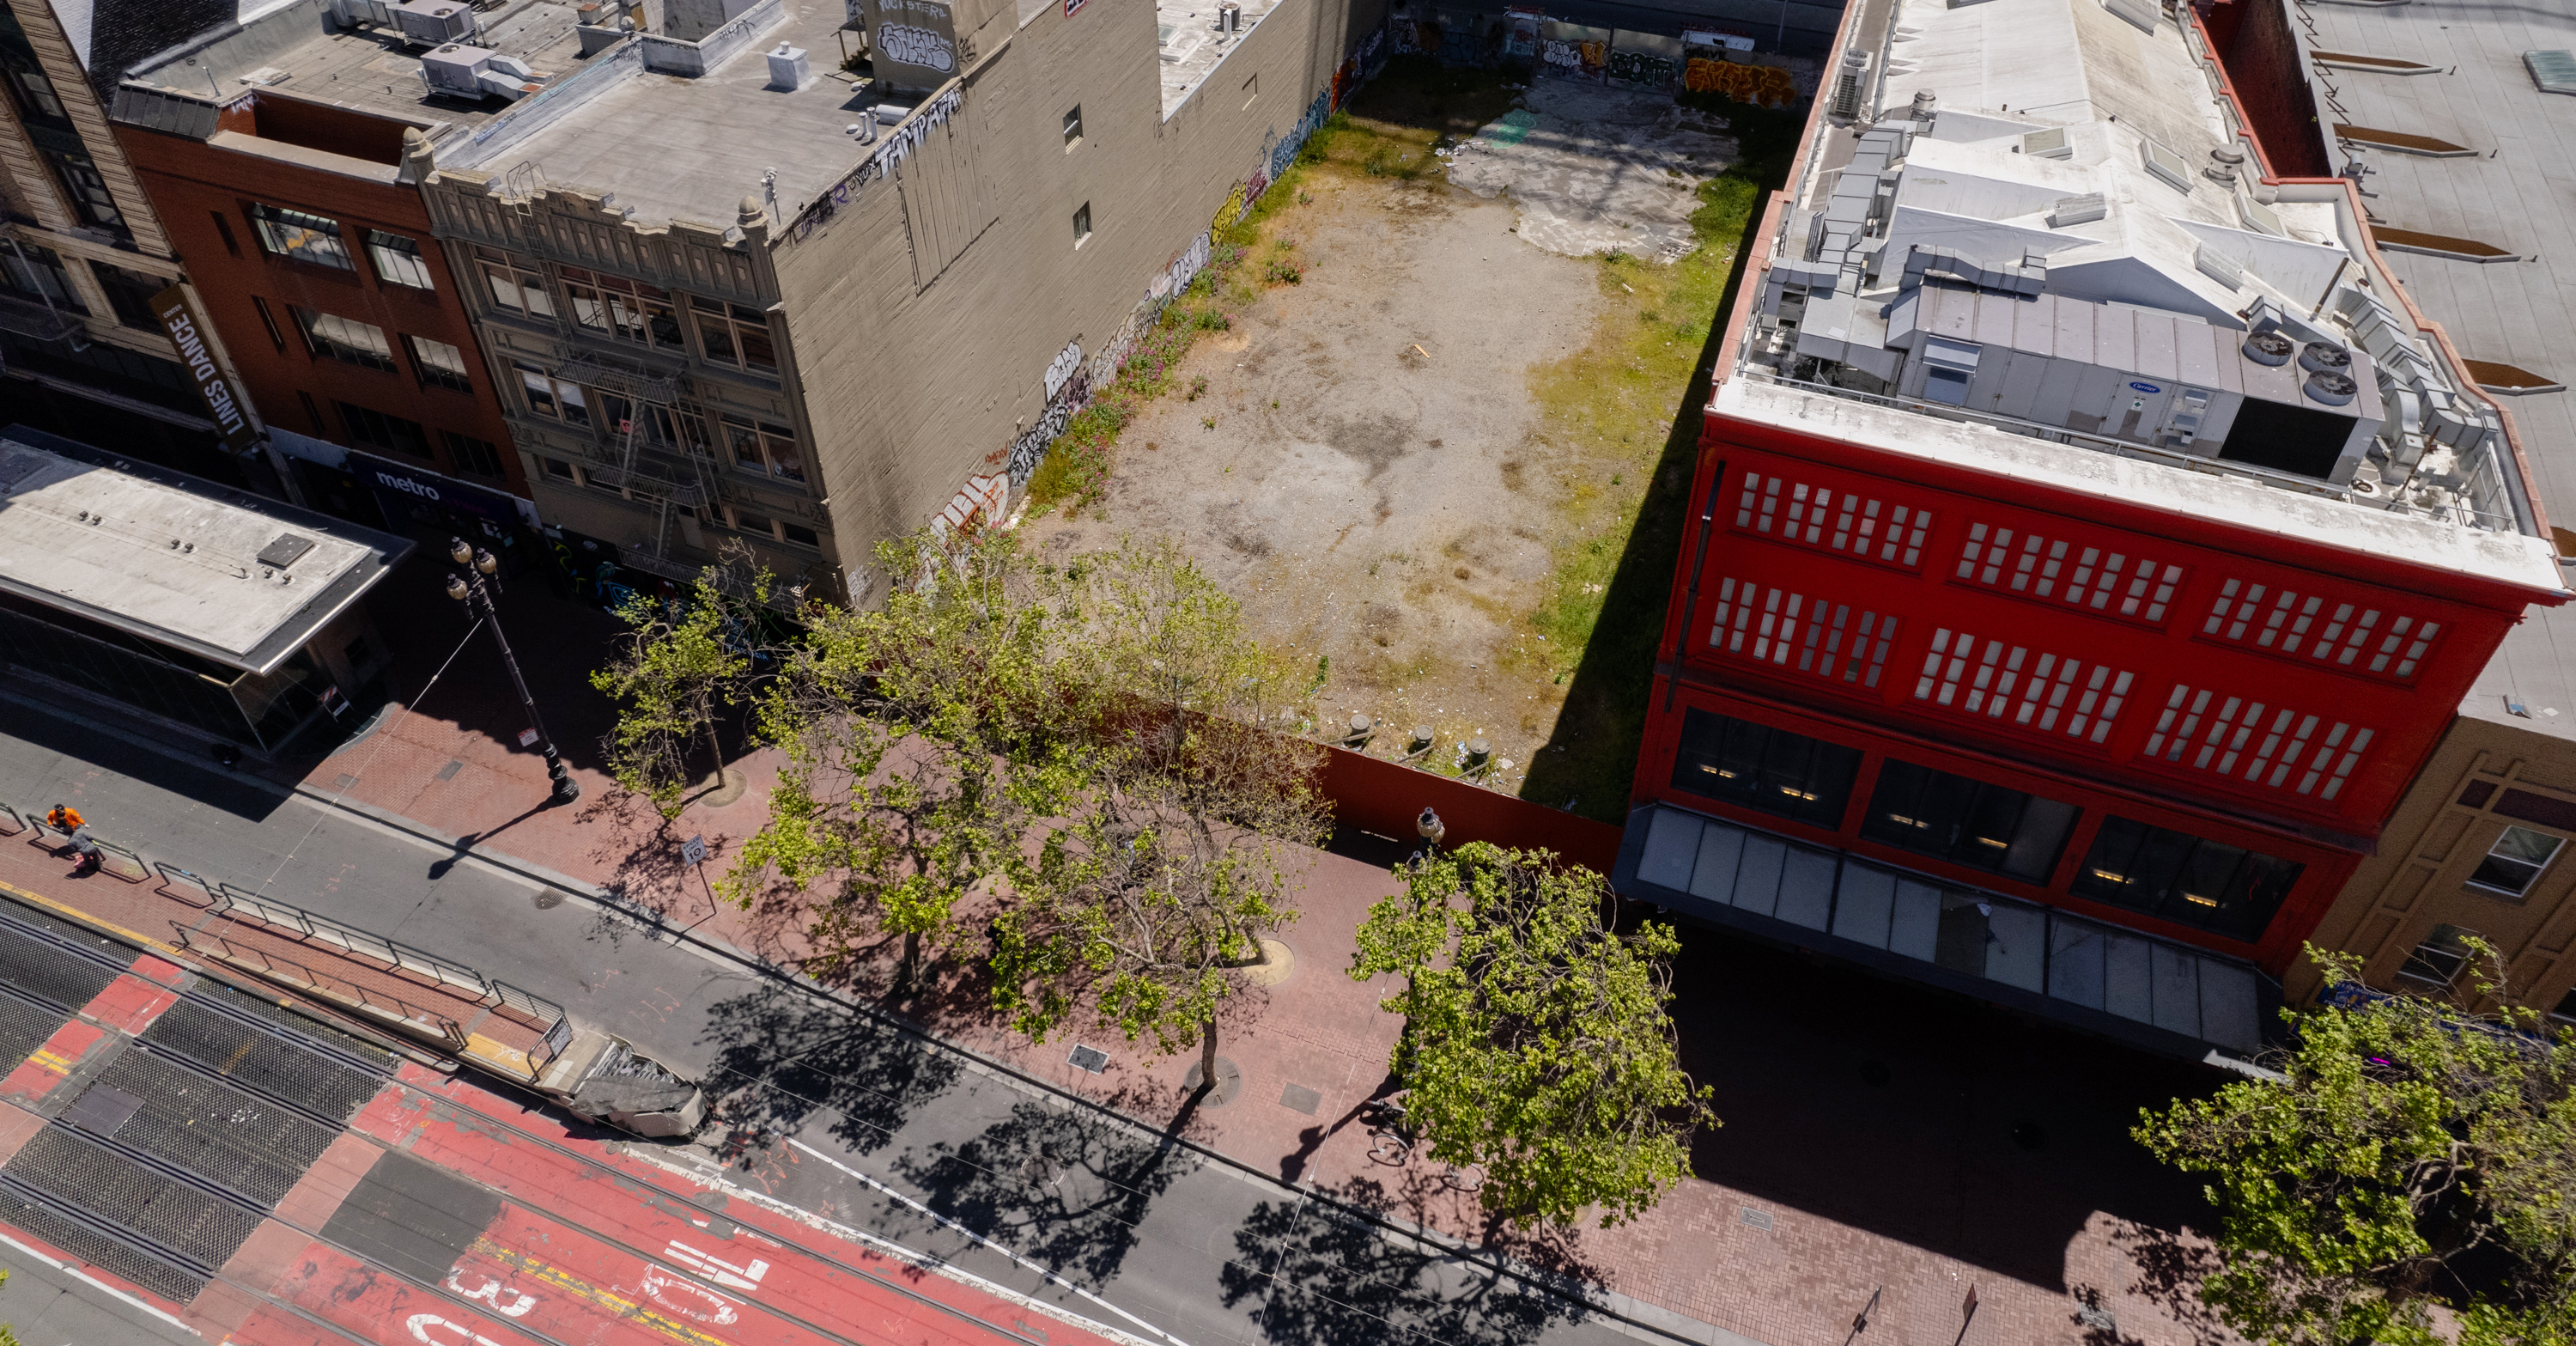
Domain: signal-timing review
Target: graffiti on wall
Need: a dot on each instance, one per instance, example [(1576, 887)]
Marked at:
[(1638, 67), (1767, 85), (1574, 60), (893, 150)]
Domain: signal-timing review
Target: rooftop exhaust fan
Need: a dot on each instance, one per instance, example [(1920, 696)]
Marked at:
[(2270, 349)]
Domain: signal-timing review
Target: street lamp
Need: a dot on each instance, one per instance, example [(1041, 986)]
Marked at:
[(479, 582)]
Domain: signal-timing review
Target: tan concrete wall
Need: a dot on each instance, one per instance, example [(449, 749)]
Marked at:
[(909, 388), (2434, 842)]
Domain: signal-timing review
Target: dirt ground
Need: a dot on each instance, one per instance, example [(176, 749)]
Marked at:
[(1404, 465)]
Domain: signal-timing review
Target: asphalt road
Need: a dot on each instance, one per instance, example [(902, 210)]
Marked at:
[(873, 1128)]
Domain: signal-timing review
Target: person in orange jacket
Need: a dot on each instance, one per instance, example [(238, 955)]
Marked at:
[(65, 819)]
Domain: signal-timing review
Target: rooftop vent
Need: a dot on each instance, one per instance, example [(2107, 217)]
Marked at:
[(2551, 71), (2078, 210), (2165, 164), (2224, 163), (2334, 390), (2221, 269), (2269, 349), (2048, 144), (1849, 82), (2321, 357), (2138, 14), (285, 550), (265, 76)]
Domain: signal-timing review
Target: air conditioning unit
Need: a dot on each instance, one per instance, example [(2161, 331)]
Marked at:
[(477, 72), (1851, 82), (432, 23)]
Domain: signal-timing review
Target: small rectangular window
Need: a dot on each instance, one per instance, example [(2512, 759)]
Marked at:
[(269, 321), (38, 274), (556, 468), (1073, 126), (130, 294), (398, 260), (754, 524), (312, 413), (517, 286), (224, 231), (2438, 960), (344, 339), (2516, 860), (478, 457), (800, 535), (553, 398), (1251, 91), (301, 236), (440, 365), (1082, 224)]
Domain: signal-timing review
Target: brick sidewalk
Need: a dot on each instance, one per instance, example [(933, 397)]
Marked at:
[(1786, 1257)]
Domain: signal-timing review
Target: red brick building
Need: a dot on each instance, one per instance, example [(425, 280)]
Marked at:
[(312, 253), (2089, 545)]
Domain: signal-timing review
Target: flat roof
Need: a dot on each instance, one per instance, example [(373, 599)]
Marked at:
[(218, 573), (676, 147), (2476, 93), (1185, 35), (2030, 153)]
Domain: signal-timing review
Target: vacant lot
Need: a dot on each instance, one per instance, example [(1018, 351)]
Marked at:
[(1426, 461)]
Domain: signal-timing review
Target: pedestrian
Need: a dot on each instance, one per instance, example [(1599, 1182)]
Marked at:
[(87, 850), (64, 819)]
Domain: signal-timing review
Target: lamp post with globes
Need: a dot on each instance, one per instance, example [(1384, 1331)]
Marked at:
[(478, 582)]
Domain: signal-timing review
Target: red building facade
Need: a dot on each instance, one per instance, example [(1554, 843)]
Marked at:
[(313, 255), (2179, 725)]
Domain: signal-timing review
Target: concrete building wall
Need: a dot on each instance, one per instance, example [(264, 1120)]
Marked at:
[(207, 190), (2484, 777)]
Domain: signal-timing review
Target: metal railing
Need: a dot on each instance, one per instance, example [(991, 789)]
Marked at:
[(113, 860), (270, 964)]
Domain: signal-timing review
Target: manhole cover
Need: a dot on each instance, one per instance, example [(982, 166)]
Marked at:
[(1300, 1098), (1759, 1219), (547, 899), (1090, 1059)]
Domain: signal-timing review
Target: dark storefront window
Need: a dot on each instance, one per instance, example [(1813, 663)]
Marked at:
[(112, 369), (2226, 890), (1770, 770), (1967, 822), (130, 294), (376, 430)]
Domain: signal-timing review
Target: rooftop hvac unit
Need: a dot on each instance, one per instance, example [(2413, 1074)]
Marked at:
[(2083, 209), (476, 72), (432, 23), (1850, 82), (2049, 144), (2139, 14)]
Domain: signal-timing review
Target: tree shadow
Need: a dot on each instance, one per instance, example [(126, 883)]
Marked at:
[(785, 1056), (1064, 1186), (1320, 1275), (2171, 1269)]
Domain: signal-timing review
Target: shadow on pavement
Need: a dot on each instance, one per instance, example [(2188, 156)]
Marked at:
[(1065, 1188), (783, 1056), (1317, 1275)]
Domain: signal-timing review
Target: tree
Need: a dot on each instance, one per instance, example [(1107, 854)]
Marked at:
[(2411, 1156), (921, 738), (1536, 1037), (679, 663), (1173, 858)]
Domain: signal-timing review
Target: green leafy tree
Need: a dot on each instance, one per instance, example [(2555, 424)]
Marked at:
[(922, 739), (678, 664), (2415, 1161), (1174, 856), (1537, 1039)]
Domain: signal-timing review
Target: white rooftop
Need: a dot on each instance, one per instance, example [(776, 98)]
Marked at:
[(169, 558)]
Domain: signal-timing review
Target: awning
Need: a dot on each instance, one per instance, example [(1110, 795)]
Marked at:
[(2149, 992)]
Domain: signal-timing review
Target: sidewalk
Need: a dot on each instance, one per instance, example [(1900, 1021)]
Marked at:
[(1832, 1186)]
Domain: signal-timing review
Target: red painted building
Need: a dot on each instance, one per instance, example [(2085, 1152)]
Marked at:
[(2071, 595), (312, 253)]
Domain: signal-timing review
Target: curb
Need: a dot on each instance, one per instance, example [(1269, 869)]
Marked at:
[(1626, 1314)]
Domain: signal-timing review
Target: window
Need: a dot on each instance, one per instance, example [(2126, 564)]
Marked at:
[(87, 189), (398, 260), (1768, 770), (764, 448), (553, 398), (755, 525), (2283, 748), (1956, 676), (1967, 821), (1073, 127), (130, 294), (344, 339), (1771, 624), (480, 457), (440, 365), (2109, 585), (2515, 861), (36, 98), (517, 286), (2438, 960), (377, 430), (1082, 224), (625, 309), (2340, 637), (556, 468), (37, 273), (2226, 890), (801, 536), (303, 237), (269, 321), (682, 426), (1251, 91), (2566, 1011), (735, 335), (1844, 522), (224, 229), (312, 413)]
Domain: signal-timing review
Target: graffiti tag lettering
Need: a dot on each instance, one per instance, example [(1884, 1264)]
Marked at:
[(1061, 367), (906, 45)]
